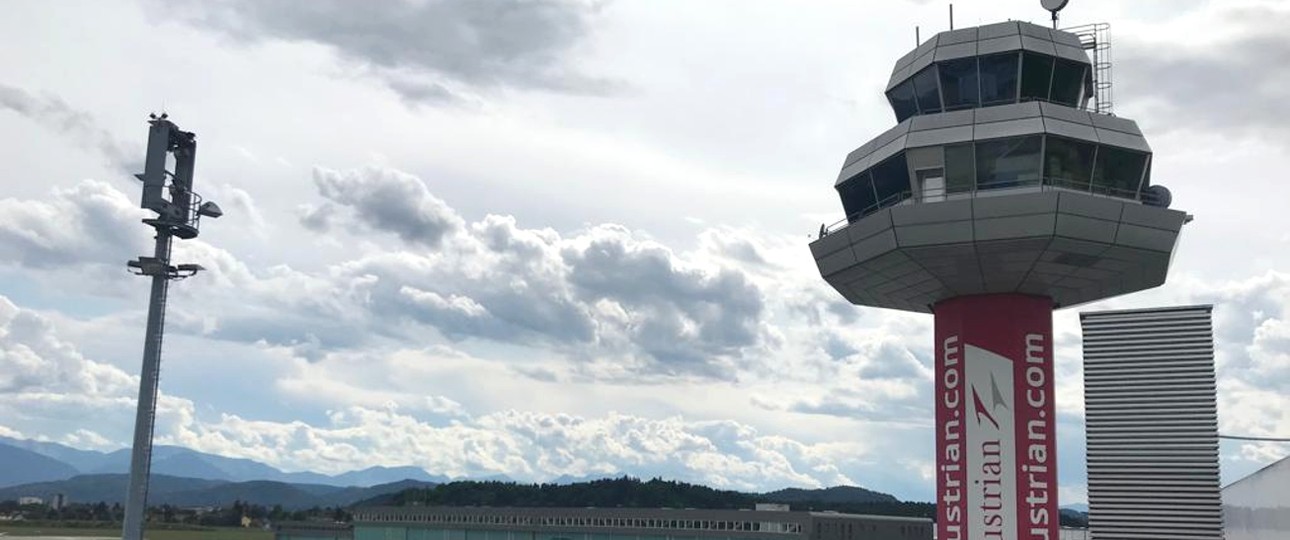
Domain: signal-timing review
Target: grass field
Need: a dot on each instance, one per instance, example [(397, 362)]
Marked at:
[(14, 533)]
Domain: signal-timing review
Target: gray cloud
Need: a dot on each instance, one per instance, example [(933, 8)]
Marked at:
[(53, 112), (421, 48), (387, 200), (91, 223), (691, 314), (1236, 85), (602, 294)]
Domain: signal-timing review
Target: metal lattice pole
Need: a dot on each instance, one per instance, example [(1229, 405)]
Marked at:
[(177, 216), (149, 379)]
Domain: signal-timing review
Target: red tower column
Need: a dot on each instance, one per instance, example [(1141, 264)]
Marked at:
[(996, 456)]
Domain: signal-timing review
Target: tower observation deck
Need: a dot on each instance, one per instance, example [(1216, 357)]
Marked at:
[(997, 197)]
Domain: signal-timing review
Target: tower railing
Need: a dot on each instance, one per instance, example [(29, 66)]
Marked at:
[(1096, 38)]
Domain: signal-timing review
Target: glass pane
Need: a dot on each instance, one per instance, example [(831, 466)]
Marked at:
[(891, 180), (958, 82), (1036, 73), (929, 95), (960, 168), (1068, 162), (857, 196), (1118, 171), (1004, 163), (999, 78), (902, 100), (1068, 76)]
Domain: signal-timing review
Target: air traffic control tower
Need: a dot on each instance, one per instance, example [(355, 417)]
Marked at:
[(999, 196)]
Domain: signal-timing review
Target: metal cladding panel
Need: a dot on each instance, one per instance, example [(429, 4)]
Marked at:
[(996, 451), (998, 29), (1066, 38), (943, 120), (1116, 123), (1072, 53), (1007, 112), (1070, 129), (1152, 429), (1062, 112), (1071, 247), (955, 51), (1038, 45), (998, 45), (1010, 128), (1122, 140), (962, 35)]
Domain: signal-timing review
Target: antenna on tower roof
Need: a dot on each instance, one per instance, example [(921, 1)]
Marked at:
[(1053, 6)]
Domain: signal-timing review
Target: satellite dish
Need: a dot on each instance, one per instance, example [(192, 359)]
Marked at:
[(1053, 5)]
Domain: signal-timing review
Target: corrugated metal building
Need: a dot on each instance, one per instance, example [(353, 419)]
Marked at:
[(1152, 424)]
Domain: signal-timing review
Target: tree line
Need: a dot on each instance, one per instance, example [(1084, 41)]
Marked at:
[(103, 515)]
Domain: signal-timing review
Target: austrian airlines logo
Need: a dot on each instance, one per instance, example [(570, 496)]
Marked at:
[(996, 400)]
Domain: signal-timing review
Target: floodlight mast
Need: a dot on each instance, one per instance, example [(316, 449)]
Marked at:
[(178, 216)]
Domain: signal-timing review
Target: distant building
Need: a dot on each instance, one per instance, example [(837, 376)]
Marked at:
[(30, 500), (58, 501), (1257, 507), (458, 523)]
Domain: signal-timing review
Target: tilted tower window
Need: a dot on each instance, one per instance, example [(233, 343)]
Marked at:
[(999, 78), (959, 84), (1068, 162), (858, 197), (992, 79), (1036, 76), (1006, 163), (929, 94), (902, 101), (1119, 172), (1068, 82), (891, 180)]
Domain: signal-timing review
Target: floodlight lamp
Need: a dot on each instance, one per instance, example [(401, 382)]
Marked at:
[(210, 210), (190, 268)]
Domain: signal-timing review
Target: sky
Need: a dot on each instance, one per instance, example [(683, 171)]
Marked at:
[(543, 238)]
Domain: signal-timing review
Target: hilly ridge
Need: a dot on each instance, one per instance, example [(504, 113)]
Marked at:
[(185, 477), (54, 461), (188, 492)]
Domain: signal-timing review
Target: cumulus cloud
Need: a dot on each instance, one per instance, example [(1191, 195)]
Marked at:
[(438, 433), (622, 304), (426, 51), (531, 446), (602, 292), (46, 382), (90, 223), (53, 112), (386, 200)]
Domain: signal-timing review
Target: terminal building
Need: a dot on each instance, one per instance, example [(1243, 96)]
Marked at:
[(486, 523)]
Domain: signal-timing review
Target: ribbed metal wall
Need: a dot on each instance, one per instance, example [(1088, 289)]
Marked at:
[(1152, 424)]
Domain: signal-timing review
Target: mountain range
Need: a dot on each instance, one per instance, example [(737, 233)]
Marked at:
[(38, 461), (196, 492), (185, 477)]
